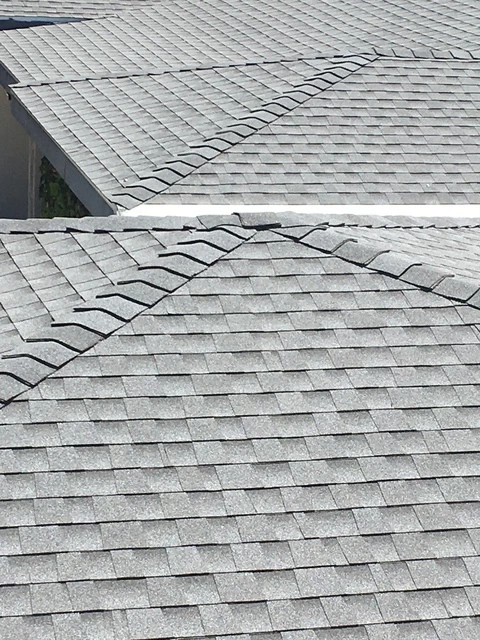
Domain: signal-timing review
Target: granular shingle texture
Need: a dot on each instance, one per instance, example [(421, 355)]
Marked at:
[(186, 32), (123, 127), (395, 131), (63, 10), (283, 444), (290, 102)]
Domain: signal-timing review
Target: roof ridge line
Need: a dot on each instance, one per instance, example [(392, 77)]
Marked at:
[(185, 163), (377, 257), (376, 221), (382, 52), (427, 53), (94, 320), (156, 71), (100, 224)]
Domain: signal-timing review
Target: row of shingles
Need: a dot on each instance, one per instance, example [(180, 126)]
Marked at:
[(226, 92), (178, 47), (471, 444), (265, 498), (308, 22), (79, 264), (198, 154), (91, 321)]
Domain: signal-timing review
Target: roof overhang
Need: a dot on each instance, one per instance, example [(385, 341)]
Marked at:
[(78, 182)]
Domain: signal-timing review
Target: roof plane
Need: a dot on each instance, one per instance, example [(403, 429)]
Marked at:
[(188, 33), (392, 131), (285, 444), (118, 128)]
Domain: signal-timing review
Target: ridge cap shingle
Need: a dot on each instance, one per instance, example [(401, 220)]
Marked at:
[(377, 257), (257, 220)]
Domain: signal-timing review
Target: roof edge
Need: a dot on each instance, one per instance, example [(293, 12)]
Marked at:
[(92, 321), (79, 183)]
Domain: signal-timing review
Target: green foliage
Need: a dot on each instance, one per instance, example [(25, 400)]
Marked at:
[(56, 197)]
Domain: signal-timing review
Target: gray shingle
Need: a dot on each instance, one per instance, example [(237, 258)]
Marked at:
[(164, 622), (351, 610), (16, 601), (236, 618), (185, 590)]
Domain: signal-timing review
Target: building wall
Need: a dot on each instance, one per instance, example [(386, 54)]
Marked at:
[(17, 151)]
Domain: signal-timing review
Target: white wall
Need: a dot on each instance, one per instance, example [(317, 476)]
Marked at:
[(15, 149)]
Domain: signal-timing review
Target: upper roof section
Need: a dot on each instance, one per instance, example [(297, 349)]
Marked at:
[(191, 33), (60, 10), (256, 103)]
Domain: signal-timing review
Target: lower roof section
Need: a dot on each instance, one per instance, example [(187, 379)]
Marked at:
[(285, 447)]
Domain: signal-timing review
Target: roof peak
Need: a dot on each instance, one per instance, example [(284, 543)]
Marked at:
[(211, 239)]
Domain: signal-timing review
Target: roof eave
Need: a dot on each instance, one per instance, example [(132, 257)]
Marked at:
[(96, 203)]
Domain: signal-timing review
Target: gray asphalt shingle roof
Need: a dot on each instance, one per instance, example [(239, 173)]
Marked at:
[(397, 131), (61, 9), (120, 128), (110, 101), (188, 33), (269, 428)]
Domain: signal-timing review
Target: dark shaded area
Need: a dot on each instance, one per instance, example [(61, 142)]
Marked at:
[(11, 23)]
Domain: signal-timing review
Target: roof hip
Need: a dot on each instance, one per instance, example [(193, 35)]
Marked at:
[(94, 320), (185, 163), (378, 258)]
